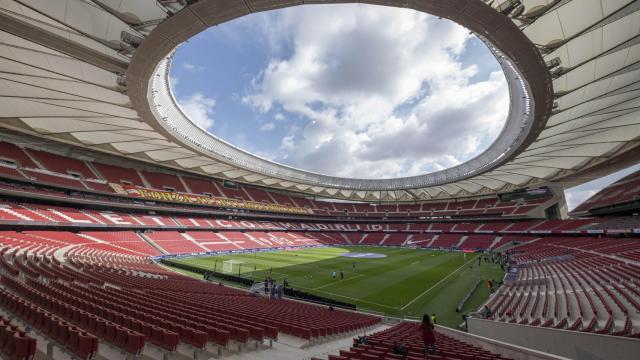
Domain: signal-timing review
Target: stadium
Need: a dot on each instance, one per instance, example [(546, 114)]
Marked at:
[(287, 179)]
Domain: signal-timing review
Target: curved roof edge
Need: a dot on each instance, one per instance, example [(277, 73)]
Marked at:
[(529, 85)]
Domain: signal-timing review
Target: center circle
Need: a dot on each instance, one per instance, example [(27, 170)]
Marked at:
[(363, 255)]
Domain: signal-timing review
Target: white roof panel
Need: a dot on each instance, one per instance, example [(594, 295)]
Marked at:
[(52, 94)]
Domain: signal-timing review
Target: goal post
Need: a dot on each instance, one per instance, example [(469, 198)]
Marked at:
[(232, 266)]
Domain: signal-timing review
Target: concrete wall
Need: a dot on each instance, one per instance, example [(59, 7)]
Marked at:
[(570, 344), (510, 351)]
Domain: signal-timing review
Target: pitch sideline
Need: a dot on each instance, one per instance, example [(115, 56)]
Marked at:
[(436, 284)]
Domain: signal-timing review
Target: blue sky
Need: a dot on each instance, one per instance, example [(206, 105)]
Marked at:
[(348, 90)]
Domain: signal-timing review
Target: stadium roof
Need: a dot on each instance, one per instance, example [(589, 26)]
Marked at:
[(94, 74)]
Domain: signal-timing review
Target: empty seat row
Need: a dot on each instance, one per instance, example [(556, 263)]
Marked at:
[(57, 330), (15, 343), (379, 346)]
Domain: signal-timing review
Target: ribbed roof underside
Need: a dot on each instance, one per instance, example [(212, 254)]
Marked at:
[(60, 64)]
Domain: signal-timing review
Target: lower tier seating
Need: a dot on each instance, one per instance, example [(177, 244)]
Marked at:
[(583, 284), (15, 343), (380, 346), (574, 283), (129, 302)]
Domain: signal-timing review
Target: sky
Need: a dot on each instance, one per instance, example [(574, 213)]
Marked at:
[(351, 90)]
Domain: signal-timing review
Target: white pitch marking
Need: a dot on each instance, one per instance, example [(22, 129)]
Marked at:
[(339, 282), (435, 285), (360, 300)]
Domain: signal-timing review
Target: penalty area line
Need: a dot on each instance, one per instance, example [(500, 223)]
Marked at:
[(339, 282), (435, 285)]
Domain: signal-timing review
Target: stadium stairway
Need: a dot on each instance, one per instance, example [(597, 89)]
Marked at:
[(153, 243), (289, 348)]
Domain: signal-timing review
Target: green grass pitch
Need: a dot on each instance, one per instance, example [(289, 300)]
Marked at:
[(407, 282)]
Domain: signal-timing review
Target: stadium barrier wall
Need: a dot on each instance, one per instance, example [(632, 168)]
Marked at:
[(512, 351), (570, 344), (291, 293)]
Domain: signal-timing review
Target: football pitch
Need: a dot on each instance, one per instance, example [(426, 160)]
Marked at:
[(405, 282)]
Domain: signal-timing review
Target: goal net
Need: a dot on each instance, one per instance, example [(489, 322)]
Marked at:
[(231, 266)]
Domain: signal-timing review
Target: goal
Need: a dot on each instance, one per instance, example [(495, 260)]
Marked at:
[(231, 266)]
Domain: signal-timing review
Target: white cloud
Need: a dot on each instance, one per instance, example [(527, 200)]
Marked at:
[(578, 194), (173, 83), (381, 92), (199, 108), (192, 67), (267, 127)]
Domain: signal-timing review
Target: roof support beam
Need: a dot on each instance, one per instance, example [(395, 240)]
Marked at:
[(55, 42)]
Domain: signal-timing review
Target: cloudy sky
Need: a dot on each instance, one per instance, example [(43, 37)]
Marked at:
[(348, 90)]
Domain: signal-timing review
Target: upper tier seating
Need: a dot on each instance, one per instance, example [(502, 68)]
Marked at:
[(234, 193), (47, 178), (17, 155), (57, 169), (624, 190), (616, 223), (62, 164), (282, 199), (119, 175), (306, 203), (10, 172), (561, 225), (163, 181), (200, 186), (259, 196)]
